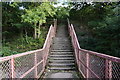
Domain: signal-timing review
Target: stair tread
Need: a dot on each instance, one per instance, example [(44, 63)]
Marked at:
[(61, 61), (61, 58), (62, 64), (61, 55), (62, 68), (62, 50)]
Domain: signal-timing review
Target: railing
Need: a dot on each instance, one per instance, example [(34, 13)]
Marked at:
[(29, 64), (92, 64)]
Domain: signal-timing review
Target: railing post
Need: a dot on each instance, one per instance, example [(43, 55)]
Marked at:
[(35, 63), (43, 62), (108, 69), (87, 64), (54, 27), (69, 29), (44, 58), (78, 59), (12, 68)]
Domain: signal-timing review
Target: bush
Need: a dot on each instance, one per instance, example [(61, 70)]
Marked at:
[(6, 51)]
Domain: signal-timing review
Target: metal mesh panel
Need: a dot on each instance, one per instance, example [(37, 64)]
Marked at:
[(30, 74), (83, 59), (83, 69), (39, 56), (39, 68), (91, 75), (115, 70), (5, 69), (97, 65), (23, 64)]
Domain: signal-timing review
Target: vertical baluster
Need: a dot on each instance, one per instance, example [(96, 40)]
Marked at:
[(12, 68), (35, 63), (79, 56), (43, 52), (108, 69), (87, 64)]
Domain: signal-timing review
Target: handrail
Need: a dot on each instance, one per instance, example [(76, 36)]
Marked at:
[(112, 58), (29, 52), (93, 64), (29, 64)]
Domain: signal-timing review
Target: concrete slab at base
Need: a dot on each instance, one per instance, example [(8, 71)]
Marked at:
[(61, 75)]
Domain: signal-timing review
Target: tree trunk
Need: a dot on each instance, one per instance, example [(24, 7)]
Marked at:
[(39, 30), (35, 32)]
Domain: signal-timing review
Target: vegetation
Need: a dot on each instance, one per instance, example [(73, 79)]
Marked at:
[(19, 25), (25, 25), (102, 21)]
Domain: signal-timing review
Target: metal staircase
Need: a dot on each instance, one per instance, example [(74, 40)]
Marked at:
[(61, 58)]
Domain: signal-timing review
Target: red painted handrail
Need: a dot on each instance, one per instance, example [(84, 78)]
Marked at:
[(28, 64), (92, 64)]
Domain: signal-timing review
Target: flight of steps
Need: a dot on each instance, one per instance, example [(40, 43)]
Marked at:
[(61, 57)]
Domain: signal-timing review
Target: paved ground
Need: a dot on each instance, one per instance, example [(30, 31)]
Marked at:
[(62, 75)]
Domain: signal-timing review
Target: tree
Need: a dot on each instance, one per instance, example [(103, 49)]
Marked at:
[(62, 12), (38, 15), (102, 21)]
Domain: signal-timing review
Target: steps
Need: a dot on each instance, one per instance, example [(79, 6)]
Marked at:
[(61, 57), (62, 68), (62, 61)]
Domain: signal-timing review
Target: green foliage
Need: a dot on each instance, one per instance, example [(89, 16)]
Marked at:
[(6, 51), (38, 15), (21, 45), (62, 12), (103, 22)]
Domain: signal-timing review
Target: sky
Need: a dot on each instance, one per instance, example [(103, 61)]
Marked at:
[(56, 5), (60, 4)]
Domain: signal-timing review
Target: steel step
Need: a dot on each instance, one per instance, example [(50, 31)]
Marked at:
[(65, 53), (61, 61), (61, 56), (62, 51), (61, 64), (61, 68)]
